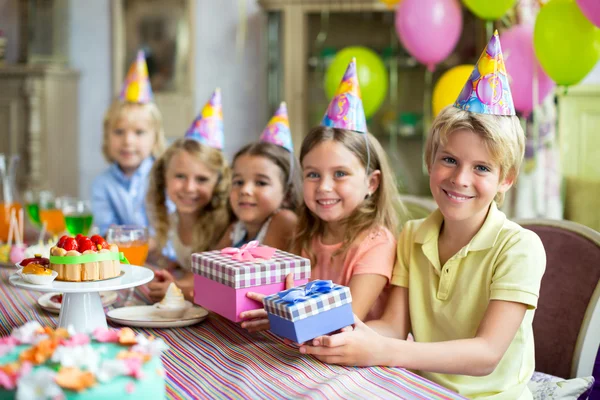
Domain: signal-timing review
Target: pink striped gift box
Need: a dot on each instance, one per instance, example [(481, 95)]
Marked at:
[(221, 281)]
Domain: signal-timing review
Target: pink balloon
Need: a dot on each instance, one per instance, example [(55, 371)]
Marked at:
[(429, 29), (591, 10), (520, 61), (489, 89)]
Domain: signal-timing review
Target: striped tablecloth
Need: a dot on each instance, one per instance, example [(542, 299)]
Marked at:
[(218, 359)]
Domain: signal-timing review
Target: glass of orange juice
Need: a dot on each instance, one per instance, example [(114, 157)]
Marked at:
[(132, 241), (8, 193), (5, 211), (51, 214)]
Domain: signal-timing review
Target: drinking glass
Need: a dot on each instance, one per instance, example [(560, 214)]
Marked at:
[(5, 211), (133, 242), (51, 214), (32, 205), (8, 194), (78, 215)]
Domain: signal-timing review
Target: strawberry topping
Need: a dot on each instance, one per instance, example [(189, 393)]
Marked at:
[(70, 244), (86, 244), (61, 241)]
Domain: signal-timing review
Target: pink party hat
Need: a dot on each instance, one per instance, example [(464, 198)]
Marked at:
[(136, 88), (346, 108), (278, 129), (487, 90), (207, 128)]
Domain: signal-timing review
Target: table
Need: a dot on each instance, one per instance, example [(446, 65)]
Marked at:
[(218, 359)]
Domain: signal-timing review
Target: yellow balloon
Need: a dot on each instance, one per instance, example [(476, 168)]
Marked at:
[(486, 65), (448, 87)]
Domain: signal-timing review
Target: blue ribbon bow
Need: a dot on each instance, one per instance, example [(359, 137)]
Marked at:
[(303, 293)]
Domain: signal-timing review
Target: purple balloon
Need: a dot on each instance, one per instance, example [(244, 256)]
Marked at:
[(591, 10), (339, 108), (493, 47), (466, 91), (520, 61), (489, 89), (429, 29)]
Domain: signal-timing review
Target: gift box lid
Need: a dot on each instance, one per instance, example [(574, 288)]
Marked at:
[(307, 300), (226, 269)]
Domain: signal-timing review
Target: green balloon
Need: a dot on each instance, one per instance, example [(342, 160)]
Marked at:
[(372, 76), (489, 9), (566, 43)]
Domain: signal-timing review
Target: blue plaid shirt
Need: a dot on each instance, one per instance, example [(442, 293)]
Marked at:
[(119, 199)]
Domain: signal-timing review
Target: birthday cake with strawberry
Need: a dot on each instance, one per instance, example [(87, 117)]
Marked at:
[(43, 363), (80, 259)]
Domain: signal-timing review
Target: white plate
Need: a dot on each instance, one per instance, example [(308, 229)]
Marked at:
[(145, 317), (131, 276), (47, 304)]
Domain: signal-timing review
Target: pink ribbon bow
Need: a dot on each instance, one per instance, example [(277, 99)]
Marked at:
[(249, 251)]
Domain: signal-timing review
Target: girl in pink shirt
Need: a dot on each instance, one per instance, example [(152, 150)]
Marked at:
[(349, 219)]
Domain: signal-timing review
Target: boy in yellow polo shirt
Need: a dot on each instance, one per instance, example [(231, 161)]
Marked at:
[(466, 279)]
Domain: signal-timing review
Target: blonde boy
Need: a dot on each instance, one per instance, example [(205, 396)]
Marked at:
[(133, 137)]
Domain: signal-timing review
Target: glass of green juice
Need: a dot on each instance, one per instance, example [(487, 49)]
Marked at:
[(32, 204), (78, 215)]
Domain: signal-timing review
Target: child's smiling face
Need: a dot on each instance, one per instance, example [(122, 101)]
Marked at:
[(257, 189), (464, 179), (190, 183), (131, 139), (335, 181)]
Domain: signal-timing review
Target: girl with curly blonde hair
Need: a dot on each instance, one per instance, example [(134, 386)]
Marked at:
[(195, 176)]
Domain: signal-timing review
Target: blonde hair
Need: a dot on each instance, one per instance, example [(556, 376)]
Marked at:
[(291, 179), (214, 219), (503, 137), (382, 209), (117, 109)]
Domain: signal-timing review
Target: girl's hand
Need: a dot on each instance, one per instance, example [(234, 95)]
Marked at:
[(361, 346), (158, 286), (258, 320)]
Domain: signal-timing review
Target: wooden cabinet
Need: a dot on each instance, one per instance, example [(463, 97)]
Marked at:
[(39, 122), (579, 141)]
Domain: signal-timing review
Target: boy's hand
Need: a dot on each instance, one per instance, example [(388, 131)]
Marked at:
[(361, 346), (258, 320), (292, 343), (158, 286)]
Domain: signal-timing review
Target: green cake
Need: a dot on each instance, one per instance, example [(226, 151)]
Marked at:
[(43, 363)]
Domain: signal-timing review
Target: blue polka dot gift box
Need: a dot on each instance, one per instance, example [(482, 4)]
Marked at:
[(311, 310)]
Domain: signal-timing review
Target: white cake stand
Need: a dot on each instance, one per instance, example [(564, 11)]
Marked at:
[(81, 305)]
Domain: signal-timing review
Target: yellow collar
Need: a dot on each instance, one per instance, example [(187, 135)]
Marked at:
[(484, 239)]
